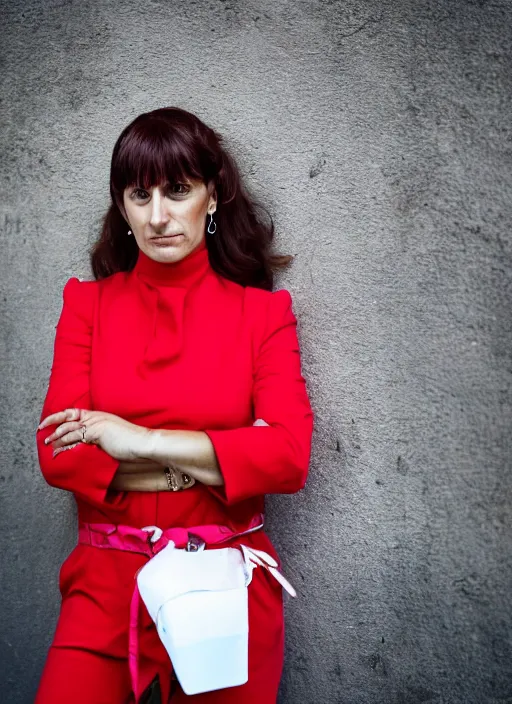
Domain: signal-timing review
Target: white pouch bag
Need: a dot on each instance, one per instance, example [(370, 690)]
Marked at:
[(199, 603)]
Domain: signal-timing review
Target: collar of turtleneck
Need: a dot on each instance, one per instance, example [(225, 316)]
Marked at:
[(163, 289), (182, 273)]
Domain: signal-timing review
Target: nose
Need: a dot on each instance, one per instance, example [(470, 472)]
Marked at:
[(159, 215)]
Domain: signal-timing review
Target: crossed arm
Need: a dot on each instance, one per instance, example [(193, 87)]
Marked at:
[(183, 451), (143, 453), (119, 456), (186, 451)]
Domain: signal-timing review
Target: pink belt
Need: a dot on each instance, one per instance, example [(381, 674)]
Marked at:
[(149, 541)]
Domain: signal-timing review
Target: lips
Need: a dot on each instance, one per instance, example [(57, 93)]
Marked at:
[(163, 238)]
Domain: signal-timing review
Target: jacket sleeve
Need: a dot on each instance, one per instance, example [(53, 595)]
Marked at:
[(272, 459), (86, 470)]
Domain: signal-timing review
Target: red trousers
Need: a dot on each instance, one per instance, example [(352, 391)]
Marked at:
[(74, 675)]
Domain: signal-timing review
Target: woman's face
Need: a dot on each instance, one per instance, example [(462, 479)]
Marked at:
[(168, 222)]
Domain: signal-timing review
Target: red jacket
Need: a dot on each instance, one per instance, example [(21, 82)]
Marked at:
[(172, 346)]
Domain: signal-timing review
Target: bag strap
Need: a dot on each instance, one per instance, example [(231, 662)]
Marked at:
[(259, 558)]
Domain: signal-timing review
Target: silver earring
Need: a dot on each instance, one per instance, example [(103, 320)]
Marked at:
[(212, 232), (129, 232)]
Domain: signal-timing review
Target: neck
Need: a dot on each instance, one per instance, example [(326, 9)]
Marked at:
[(181, 273)]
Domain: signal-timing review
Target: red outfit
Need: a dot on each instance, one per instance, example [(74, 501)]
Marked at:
[(172, 346)]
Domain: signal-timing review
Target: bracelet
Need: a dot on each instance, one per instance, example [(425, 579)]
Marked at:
[(171, 480)]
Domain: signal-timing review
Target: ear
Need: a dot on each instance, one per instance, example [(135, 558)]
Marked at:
[(212, 201)]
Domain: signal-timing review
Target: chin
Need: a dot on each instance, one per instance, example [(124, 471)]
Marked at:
[(171, 248)]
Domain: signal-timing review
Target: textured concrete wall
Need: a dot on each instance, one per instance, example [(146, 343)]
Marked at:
[(379, 134)]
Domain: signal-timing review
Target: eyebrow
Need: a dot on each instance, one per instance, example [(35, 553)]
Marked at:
[(186, 180)]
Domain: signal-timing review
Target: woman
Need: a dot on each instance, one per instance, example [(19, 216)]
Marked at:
[(175, 400)]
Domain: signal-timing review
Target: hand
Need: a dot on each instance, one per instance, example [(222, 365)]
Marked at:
[(121, 439)]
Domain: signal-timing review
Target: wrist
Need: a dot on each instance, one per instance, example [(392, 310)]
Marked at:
[(152, 441), (159, 446)]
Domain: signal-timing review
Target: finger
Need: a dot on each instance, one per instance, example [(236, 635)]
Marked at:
[(60, 417), (62, 430), (73, 437), (63, 449)]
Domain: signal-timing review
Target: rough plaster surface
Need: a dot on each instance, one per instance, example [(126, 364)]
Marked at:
[(379, 134)]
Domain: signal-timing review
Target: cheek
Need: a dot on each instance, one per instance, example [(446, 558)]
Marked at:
[(132, 213), (128, 207), (193, 214)]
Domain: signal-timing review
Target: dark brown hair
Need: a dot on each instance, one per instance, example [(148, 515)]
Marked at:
[(169, 145)]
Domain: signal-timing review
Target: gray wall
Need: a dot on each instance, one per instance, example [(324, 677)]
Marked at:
[(379, 134)]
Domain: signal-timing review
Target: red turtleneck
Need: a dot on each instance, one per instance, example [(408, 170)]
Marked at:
[(173, 346)]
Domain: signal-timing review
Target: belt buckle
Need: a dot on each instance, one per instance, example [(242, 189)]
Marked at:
[(154, 535), (195, 543)]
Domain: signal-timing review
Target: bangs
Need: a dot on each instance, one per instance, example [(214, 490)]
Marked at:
[(147, 159)]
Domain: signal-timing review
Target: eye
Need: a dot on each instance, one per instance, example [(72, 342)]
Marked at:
[(139, 193), (183, 186), (175, 189)]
